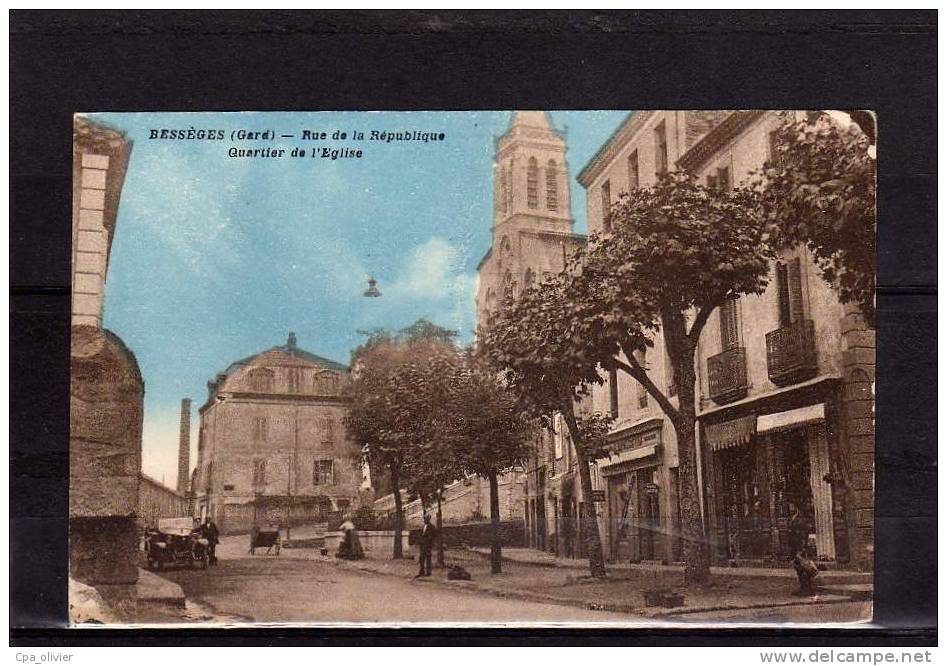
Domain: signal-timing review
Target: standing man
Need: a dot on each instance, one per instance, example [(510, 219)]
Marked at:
[(426, 541), (213, 538)]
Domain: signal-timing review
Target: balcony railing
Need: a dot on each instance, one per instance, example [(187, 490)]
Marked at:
[(790, 353), (727, 374)]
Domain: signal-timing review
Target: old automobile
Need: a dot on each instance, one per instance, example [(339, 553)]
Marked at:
[(176, 541)]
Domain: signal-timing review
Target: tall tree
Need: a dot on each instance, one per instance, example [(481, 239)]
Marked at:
[(431, 463), (385, 401), (676, 251), (819, 189), (528, 342), (488, 433)]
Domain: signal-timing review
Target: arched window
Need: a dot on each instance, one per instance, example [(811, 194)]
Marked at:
[(260, 380), (532, 183), (528, 279), (326, 383), (552, 186), (509, 286), (505, 247)]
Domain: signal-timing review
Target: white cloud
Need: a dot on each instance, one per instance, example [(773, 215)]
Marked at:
[(433, 283)]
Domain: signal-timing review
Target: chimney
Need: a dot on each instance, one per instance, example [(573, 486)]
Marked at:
[(184, 447)]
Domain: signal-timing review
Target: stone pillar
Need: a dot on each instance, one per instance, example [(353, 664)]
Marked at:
[(856, 464), (105, 420), (184, 447)]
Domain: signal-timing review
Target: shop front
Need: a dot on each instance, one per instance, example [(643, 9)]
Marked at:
[(767, 475), (641, 502)]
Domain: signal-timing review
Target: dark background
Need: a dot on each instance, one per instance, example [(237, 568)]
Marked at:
[(64, 62)]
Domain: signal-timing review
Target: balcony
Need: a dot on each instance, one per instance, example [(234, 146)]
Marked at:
[(790, 353), (727, 375)]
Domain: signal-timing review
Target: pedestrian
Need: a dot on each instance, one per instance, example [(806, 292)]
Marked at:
[(350, 548), (806, 569), (425, 542), (212, 534)]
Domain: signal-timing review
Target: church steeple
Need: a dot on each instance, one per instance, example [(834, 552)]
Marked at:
[(531, 184), (538, 119)]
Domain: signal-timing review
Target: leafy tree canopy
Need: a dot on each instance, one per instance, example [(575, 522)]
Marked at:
[(820, 190)]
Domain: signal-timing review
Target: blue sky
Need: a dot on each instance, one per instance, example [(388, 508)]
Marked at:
[(217, 258)]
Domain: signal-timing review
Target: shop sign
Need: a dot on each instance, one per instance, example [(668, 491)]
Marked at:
[(598, 495), (651, 488)]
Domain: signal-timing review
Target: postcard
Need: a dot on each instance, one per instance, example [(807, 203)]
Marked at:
[(506, 368)]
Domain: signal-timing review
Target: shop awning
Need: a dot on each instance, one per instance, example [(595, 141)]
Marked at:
[(730, 433), (627, 460), (791, 419)]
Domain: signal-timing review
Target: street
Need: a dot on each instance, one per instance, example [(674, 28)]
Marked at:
[(283, 589)]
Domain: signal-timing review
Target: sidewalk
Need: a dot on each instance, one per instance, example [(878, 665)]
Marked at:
[(539, 577), (834, 577), (623, 590)]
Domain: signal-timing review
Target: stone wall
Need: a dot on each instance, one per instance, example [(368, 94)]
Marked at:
[(106, 403), (857, 459)]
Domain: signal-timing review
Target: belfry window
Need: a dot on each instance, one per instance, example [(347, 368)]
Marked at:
[(532, 184), (552, 186)]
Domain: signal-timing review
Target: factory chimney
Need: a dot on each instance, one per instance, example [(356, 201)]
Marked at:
[(184, 447)]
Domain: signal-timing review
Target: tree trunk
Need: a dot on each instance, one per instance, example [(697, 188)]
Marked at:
[(440, 533), (495, 544), (396, 553), (593, 540), (696, 548)]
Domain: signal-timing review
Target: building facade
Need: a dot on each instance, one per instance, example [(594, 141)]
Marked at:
[(785, 381), (157, 501), (785, 388), (642, 509), (272, 447), (106, 386)]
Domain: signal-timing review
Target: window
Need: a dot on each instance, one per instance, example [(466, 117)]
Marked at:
[(294, 376), (342, 505), (328, 430), (641, 356), (326, 383), (558, 435), (729, 326), (723, 178), (322, 473), (634, 180), (260, 429), (259, 473), (260, 380), (509, 286), (528, 279), (532, 184), (789, 292), (613, 391), (552, 186), (606, 205), (711, 182), (669, 373), (660, 150)]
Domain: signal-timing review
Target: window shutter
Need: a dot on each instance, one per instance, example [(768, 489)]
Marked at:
[(796, 310), (613, 391), (782, 286), (729, 329), (606, 205), (641, 357)]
